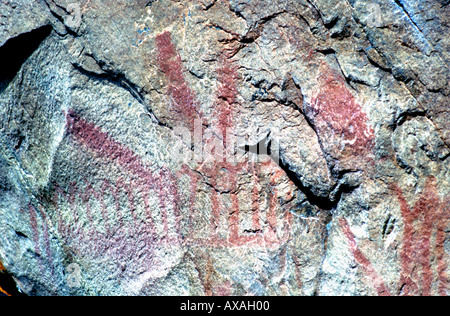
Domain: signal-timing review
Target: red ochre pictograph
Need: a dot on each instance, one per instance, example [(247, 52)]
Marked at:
[(361, 259), (422, 253), (139, 183), (92, 220), (423, 269), (183, 98), (184, 102), (338, 117)]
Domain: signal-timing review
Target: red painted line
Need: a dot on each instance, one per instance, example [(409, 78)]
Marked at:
[(223, 289), (194, 179), (36, 235), (428, 215), (73, 203), (101, 143), (148, 211), (86, 198), (184, 99), (66, 230), (143, 179), (256, 207), (298, 273), (226, 97), (407, 251), (444, 280), (130, 196), (48, 251), (33, 222), (106, 186), (270, 234), (91, 136), (443, 221), (58, 192), (164, 182), (336, 114), (172, 186), (436, 218), (362, 260), (424, 238)]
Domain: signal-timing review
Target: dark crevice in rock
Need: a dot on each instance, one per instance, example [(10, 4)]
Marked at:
[(331, 23), (328, 158), (5, 183), (270, 17), (404, 165), (411, 81), (119, 79), (403, 75), (234, 35), (293, 95), (345, 184), (291, 84), (409, 115), (209, 5), (196, 74), (59, 16), (327, 222), (377, 65), (8, 285), (321, 202), (302, 18), (431, 90), (264, 147), (400, 4), (313, 6), (349, 78), (255, 31), (17, 50), (149, 3), (326, 51), (388, 226), (209, 184), (20, 234), (237, 13)]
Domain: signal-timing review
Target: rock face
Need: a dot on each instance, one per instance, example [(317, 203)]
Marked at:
[(225, 147)]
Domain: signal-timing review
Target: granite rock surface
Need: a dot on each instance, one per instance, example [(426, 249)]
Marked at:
[(225, 147)]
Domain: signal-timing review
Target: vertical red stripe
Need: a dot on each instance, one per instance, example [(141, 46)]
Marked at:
[(169, 61), (362, 260), (36, 233), (409, 287), (48, 250), (443, 221)]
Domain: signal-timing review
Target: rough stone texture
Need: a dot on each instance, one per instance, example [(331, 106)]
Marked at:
[(351, 97)]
